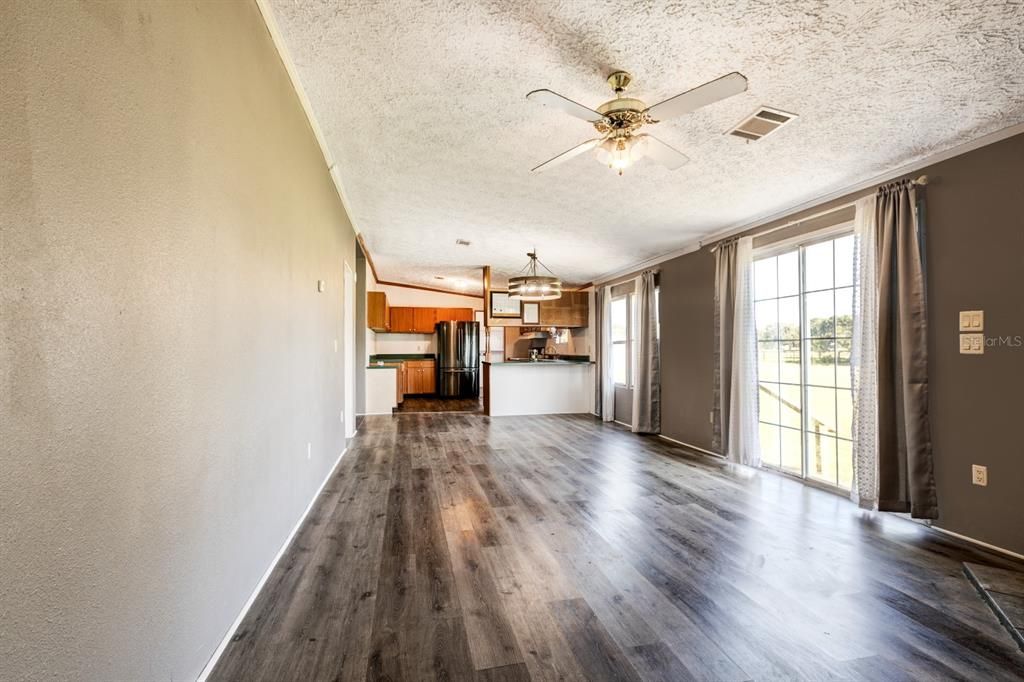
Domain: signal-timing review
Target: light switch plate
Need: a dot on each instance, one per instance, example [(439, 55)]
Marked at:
[(972, 344), (979, 474), (972, 320)]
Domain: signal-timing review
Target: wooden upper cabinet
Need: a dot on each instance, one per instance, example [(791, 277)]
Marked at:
[(378, 315), (454, 314), (402, 320), (407, 320), (424, 320), (571, 310)]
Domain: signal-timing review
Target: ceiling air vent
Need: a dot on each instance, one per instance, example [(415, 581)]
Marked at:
[(762, 122)]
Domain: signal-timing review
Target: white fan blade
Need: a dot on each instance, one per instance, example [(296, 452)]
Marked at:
[(701, 96), (659, 152), (569, 154), (556, 101)]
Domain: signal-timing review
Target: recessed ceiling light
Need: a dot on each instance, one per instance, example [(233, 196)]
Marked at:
[(461, 242)]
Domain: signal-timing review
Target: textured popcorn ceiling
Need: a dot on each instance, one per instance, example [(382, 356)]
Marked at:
[(422, 104)]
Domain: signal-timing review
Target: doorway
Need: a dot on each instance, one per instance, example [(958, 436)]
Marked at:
[(349, 349)]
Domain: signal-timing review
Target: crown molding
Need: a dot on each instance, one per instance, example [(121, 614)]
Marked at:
[(643, 265), (764, 219), (421, 287), (293, 75)]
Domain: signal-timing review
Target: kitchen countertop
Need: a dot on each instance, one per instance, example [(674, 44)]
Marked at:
[(397, 357), (499, 359)]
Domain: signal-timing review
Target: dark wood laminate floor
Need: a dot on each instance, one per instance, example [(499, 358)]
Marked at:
[(432, 403), (459, 547)]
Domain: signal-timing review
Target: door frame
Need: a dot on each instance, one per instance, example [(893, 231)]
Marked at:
[(349, 349)]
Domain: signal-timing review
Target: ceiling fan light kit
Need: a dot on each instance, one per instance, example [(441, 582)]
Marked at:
[(619, 119), (534, 287)]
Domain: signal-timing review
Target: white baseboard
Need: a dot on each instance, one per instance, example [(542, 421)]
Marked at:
[(974, 541), (212, 663), (691, 446)]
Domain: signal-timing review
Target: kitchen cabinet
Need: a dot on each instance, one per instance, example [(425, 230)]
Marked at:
[(454, 315), (378, 315), (408, 320), (419, 376), (424, 319), (402, 321), (571, 310)]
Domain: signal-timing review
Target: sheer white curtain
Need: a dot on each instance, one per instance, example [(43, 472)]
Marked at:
[(743, 443), (607, 382), (863, 360)]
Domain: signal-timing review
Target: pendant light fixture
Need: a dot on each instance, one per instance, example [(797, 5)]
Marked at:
[(534, 287)]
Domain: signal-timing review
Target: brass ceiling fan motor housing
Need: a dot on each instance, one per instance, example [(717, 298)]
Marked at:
[(622, 115)]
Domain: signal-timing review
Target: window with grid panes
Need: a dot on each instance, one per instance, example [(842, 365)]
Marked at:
[(804, 325)]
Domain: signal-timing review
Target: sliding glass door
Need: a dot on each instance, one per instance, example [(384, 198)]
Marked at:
[(804, 324)]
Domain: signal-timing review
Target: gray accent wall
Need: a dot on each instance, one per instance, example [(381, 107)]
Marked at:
[(170, 392), (687, 345), (975, 260)]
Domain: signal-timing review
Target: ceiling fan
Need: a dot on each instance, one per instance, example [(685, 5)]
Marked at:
[(619, 119)]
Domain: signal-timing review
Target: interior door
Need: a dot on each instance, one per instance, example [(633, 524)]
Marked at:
[(349, 349)]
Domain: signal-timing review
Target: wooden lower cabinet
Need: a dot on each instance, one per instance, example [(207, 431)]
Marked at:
[(419, 377)]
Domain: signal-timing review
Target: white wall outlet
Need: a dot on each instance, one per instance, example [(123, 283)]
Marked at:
[(979, 474), (972, 320), (335, 345), (711, 417), (341, 416), (972, 344), (321, 285), (309, 451)]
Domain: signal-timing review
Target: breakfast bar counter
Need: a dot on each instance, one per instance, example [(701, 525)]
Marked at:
[(514, 387)]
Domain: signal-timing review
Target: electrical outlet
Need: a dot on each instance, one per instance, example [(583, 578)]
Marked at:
[(711, 417), (309, 451), (341, 416), (979, 474)]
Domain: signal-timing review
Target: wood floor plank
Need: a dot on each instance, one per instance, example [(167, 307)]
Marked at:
[(597, 652), (435, 582), (657, 662), (491, 639), (557, 547)]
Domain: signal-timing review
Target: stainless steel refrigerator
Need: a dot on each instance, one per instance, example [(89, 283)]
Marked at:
[(458, 359)]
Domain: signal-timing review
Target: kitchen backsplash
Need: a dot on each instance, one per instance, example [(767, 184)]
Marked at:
[(563, 341), (387, 344)]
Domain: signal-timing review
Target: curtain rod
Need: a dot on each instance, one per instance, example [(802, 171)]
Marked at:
[(920, 180)]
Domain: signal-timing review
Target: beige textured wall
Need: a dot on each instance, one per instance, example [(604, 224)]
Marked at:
[(164, 355)]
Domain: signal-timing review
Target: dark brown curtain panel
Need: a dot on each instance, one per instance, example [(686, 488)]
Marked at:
[(906, 480), (725, 311), (647, 385)]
